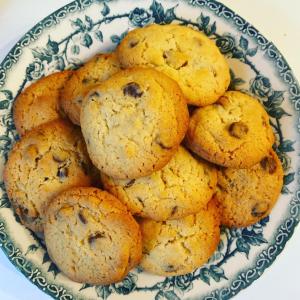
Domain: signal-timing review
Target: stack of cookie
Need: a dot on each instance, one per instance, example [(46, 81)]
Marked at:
[(132, 107)]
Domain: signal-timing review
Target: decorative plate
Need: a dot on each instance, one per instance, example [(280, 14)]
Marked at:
[(74, 33)]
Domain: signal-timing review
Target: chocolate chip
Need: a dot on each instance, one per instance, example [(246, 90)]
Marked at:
[(94, 94), (133, 43), (129, 183), (259, 209), (62, 172), (82, 218), (95, 236), (184, 64), (79, 100), (268, 164), (214, 72), (37, 159), (141, 201), (85, 80), (165, 55), (170, 268), (238, 129), (132, 89), (58, 158), (46, 178), (174, 210)]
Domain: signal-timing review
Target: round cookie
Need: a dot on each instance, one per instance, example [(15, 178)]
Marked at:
[(186, 55), (177, 247), (38, 103), (46, 161), (248, 195), (234, 132), (183, 187), (134, 122), (91, 236), (98, 69)]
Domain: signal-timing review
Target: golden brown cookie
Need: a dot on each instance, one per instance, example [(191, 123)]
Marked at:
[(234, 132), (38, 103), (248, 195), (134, 122), (91, 236), (183, 187), (98, 69), (186, 55), (177, 247), (46, 161)]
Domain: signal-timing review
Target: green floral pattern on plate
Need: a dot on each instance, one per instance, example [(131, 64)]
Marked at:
[(101, 25)]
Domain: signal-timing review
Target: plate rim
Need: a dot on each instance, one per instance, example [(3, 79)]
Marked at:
[(285, 229)]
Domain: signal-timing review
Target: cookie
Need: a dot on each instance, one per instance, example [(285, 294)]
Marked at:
[(91, 236), (39, 103), (248, 195), (177, 247), (46, 161), (184, 54), (234, 132), (98, 69), (134, 122), (183, 187)]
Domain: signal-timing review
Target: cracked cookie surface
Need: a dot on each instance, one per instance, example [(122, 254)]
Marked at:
[(98, 69), (248, 195), (134, 122), (183, 187), (46, 161), (39, 103), (234, 132), (91, 236), (177, 247), (186, 55)]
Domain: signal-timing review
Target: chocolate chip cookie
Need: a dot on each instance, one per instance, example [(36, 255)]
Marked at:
[(186, 55), (177, 247), (234, 132), (183, 187), (98, 69), (39, 103), (248, 195), (91, 236), (46, 161), (134, 122)]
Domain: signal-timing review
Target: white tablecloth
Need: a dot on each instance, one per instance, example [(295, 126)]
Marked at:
[(279, 21)]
